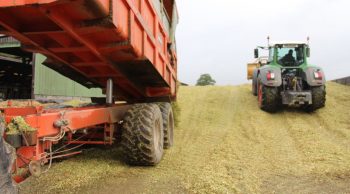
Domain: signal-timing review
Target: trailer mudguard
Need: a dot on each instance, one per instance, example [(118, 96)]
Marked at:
[(262, 76), (309, 77)]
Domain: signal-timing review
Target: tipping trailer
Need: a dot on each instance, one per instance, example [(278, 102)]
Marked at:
[(126, 47)]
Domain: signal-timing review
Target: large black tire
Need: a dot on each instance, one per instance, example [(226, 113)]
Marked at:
[(7, 156), (168, 123), (254, 87), (143, 135), (318, 98), (268, 98)]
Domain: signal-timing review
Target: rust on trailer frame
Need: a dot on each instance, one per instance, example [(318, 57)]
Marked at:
[(92, 41)]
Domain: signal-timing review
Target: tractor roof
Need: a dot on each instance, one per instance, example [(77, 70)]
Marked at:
[(272, 44)]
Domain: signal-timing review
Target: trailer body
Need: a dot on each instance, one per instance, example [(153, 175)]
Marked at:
[(91, 41), (126, 47)]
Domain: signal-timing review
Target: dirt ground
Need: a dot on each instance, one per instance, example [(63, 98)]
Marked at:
[(225, 144)]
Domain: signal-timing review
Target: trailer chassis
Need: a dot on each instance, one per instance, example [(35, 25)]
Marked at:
[(95, 125)]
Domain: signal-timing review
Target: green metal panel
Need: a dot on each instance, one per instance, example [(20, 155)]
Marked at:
[(50, 83), (9, 42), (9, 45)]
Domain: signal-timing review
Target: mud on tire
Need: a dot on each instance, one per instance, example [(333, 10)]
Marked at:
[(168, 123), (268, 98), (143, 136)]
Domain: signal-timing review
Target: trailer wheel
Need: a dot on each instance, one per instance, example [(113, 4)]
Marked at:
[(143, 135), (168, 123), (268, 98), (318, 98)]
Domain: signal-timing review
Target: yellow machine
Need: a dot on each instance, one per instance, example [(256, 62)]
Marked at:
[(258, 62)]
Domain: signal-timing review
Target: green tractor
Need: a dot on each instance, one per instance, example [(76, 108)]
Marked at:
[(287, 78)]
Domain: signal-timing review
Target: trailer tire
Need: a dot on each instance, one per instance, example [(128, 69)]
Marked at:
[(143, 135), (168, 123), (318, 98), (268, 98)]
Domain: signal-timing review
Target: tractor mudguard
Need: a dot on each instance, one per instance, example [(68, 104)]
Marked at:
[(262, 74), (309, 76)]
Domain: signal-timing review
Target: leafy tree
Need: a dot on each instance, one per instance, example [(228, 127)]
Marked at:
[(205, 80)]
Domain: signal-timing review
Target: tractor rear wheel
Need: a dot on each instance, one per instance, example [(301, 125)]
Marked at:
[(318, 98), (143, 135), (268, 98), (168, 123)]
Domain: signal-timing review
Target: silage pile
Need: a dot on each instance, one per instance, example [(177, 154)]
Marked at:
[(19, 103), (45, 104), (225, 144)]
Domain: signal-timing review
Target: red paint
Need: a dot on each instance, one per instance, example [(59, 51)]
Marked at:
[(98, 121), (131, 33), (98, 44)]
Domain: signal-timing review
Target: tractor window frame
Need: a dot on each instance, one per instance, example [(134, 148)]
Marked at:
[(298, 54), (271, 54)]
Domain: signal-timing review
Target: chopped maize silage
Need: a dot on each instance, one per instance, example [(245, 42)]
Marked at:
[(225, 144)]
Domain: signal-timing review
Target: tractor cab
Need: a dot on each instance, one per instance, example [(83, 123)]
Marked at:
[(286, 54), (289, 54)]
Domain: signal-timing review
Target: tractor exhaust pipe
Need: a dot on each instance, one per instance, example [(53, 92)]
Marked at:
[(7, 158)]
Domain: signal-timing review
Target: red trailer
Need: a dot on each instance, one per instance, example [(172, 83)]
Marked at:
[(126, 47)]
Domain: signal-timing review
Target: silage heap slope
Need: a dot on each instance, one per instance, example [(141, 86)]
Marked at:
[(225, 144)]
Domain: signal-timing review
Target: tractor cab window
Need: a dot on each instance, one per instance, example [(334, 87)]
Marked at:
[(290, 55), (271, 50)]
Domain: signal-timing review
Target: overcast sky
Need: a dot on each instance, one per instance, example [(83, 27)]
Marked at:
[(218, 36)]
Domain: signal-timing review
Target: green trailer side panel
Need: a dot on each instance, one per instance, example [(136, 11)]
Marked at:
[(50, 83)]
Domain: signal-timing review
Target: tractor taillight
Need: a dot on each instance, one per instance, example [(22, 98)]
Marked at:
[(270, 75), (318, 75)]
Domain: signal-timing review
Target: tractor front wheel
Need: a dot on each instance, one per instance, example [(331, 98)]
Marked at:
[(254, 87)]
